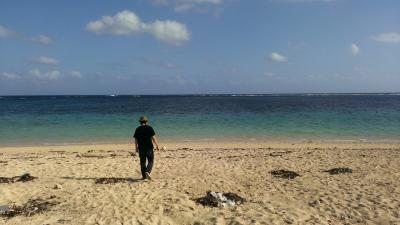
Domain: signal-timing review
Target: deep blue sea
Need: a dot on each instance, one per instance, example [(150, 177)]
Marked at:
[(26, 120)]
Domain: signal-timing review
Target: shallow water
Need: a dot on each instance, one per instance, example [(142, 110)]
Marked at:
[(88, 119)]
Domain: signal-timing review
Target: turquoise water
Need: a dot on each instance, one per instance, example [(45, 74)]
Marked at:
[(28, 120)]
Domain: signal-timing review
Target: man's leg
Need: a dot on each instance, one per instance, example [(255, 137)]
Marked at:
[(150, 161), (142, 157)]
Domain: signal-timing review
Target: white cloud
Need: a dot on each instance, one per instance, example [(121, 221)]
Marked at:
[(5, 32), (354, 49), (76, 74), (50, 75), (391, 37), (276, 57), (46, 60), (122, 23), (11, 76), (127, 22), (42, 39), (168, 31)]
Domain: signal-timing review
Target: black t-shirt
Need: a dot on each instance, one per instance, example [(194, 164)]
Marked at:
[(143, 135)]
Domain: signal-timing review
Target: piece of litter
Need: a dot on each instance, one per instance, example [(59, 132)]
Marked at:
[(230, 203), (4, 209)]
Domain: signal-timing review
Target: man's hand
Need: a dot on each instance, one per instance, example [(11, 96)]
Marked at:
[(154, 139)]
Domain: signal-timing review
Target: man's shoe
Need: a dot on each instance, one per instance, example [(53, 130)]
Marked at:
[(147, 174)]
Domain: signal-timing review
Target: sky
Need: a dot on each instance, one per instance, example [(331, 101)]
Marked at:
[(142, 47)]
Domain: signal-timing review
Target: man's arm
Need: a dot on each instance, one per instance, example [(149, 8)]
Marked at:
[(136, 145), (154, 139)]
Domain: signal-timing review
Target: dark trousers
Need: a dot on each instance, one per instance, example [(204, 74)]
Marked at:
[(143, 155)]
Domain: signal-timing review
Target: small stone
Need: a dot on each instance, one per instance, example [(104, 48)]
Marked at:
[(163, 148), (57, 186), (314, 203)]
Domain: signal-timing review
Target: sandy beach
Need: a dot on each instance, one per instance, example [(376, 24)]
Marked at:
[(69, 177)]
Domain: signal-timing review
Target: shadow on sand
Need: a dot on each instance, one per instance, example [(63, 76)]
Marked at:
[(106, 180)]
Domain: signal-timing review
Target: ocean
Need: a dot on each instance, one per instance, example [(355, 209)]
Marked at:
[(43, 120)]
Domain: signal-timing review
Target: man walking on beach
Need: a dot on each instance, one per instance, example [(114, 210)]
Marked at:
[(144, 138)]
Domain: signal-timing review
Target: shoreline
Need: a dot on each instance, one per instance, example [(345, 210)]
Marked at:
[(208, 143)]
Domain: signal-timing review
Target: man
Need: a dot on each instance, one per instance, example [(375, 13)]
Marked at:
[(144, 138)]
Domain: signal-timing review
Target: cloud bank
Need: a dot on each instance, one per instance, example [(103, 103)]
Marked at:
[(127, 23), (50, 75)]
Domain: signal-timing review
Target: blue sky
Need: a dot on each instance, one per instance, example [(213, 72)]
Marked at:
[(199, 46)]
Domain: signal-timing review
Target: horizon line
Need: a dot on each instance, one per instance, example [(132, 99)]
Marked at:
[(220, 94)]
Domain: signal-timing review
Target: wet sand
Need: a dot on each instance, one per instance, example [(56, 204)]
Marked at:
[(100, 184)]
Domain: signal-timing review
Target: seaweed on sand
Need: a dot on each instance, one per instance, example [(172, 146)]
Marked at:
[(213, 200), (286, 174), (90, 156), (28, 209), (234, 197), (113, 180), (339, 170), (23, 178)]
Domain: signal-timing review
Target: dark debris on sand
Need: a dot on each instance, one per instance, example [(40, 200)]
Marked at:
[(234, 197), (23, 178), (339, 170), (276, 154), (207, 200), (90, 156), (28, 209), (211, 201), (132, 154), (112, 180), (286, 174)]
